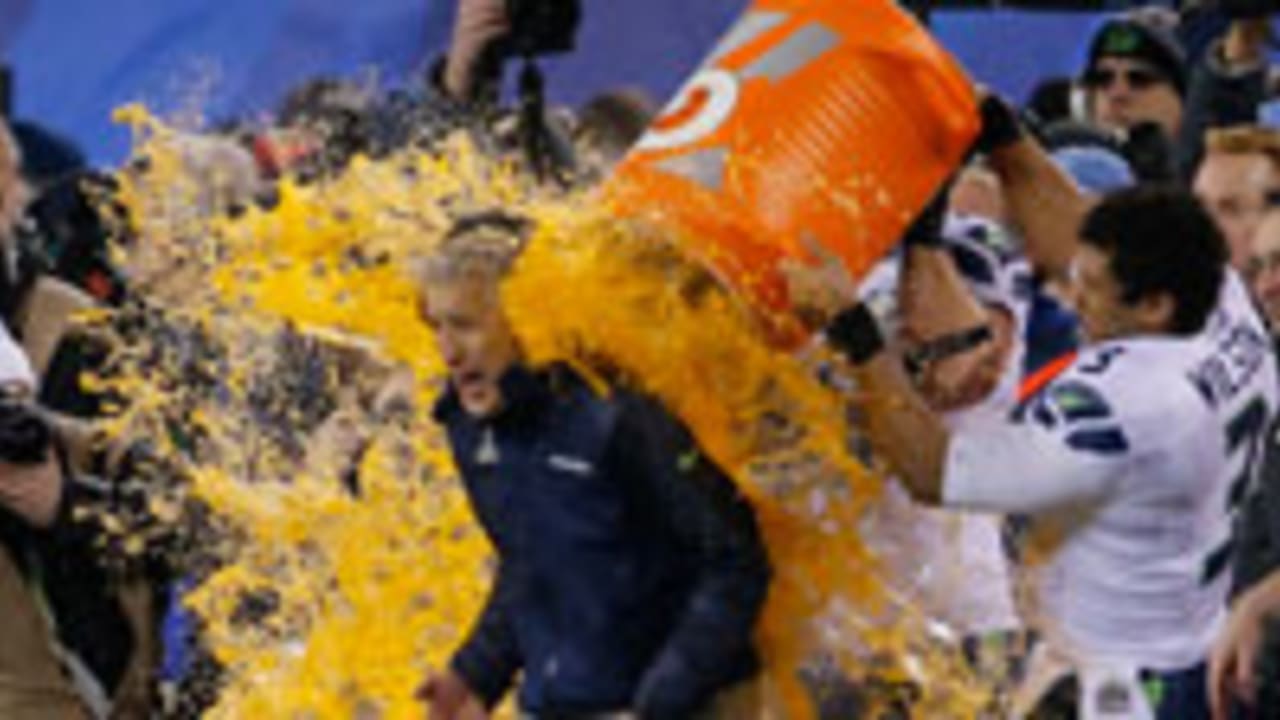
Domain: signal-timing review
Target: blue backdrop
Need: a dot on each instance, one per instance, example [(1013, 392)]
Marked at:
[(75, 60)]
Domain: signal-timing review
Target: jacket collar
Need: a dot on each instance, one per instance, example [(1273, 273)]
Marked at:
[(525, 392)]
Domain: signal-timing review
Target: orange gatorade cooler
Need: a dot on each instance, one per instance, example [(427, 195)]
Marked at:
[(837, 119)]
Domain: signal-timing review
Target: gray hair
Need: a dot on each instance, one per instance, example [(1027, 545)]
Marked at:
[(483, 246)]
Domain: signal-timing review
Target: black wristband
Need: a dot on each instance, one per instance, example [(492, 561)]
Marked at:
[(948, 346), (926, 230), (1000, 125), (856, 334)]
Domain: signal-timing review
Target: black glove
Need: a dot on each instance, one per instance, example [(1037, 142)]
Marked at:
[(856, 334), (1247, 9), (926, 230), (25, 438), (1000, 125)]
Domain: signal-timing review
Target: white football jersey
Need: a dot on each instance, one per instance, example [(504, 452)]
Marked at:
[(1134, 458)]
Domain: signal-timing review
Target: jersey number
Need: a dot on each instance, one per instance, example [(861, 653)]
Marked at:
[(1244, 435)]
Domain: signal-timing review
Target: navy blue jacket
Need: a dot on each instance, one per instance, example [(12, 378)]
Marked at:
[(630, 571)]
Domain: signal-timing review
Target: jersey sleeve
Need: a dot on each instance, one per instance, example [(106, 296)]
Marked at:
[(1065, 447)]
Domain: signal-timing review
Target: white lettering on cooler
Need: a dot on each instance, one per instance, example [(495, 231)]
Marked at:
[(710, 97)]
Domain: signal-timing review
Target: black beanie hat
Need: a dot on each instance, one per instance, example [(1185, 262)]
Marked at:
[(1132, 37)]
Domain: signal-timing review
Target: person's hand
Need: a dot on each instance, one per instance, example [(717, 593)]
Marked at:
[(1001, 126), (479, 24), (1245, 43), (1234, 660), (32, 492), (448, 698), (818, 290)]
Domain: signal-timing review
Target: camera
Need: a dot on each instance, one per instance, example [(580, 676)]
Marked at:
[(542, 27), (25, 438)]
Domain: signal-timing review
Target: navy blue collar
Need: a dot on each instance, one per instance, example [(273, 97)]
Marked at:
[(525, 392)]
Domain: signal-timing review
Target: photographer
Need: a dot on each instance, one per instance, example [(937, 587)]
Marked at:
[(488, 32), (87, 645), (32, 683), (467, 80)]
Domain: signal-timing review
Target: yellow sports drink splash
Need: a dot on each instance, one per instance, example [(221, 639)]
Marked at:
[(836, 119), (832, 119)]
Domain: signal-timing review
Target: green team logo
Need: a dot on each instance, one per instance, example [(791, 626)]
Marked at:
[(1154, 689), (1122, 40), (1075, 400), (688, 461)]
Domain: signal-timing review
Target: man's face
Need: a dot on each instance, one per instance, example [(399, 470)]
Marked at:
[(1124, 92), (1234, 188), (474, 339), (1263, 271), (1098, 299)]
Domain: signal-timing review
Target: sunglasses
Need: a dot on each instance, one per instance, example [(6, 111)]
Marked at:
[(1136, 78)]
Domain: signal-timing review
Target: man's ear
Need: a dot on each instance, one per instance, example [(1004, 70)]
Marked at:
[(1155, 312)]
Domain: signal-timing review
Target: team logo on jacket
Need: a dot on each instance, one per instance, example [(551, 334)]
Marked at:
[(571, 465)]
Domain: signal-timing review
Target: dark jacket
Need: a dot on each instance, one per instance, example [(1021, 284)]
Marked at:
[(630, 571), (1257, 533), (1217, 97)]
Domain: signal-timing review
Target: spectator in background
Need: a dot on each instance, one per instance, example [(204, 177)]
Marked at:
[(101, 631), (1228, 85), (1243, 661), (607, 126), (1241, 168), (1092, 159), (326, 122), (75, 221), (1233, 672), (1263, 268), (47, 157), (33, 685), (1135, 74)]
